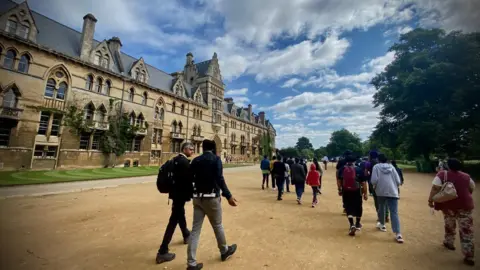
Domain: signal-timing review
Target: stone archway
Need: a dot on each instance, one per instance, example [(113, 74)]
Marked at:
[(218, 144)]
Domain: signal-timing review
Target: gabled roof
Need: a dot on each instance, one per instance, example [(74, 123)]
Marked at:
[(202, 68)]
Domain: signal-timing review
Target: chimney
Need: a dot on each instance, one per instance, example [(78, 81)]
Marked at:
[(249, 110), (261, 115), (88, 31), (114, 44), (228, 100), (189, 59)]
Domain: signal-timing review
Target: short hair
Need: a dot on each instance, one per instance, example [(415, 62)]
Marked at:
[(350, 159), (279, 158), (208, 145), (297, 160), (454, 164), (382, 158), (265, 156), (187, 145), (274, 157)]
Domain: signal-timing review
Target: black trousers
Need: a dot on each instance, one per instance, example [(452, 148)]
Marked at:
[(353, 203), (177, 217), (273, 180), (280, 184)]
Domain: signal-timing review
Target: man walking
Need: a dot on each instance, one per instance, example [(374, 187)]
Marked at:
[(265, 167), (279, 170), (271, 171), (298, 179), (180, 193), (325, 162), (208, 181)]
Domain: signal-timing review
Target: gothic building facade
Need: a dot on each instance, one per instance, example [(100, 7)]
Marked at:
[(46, 67)]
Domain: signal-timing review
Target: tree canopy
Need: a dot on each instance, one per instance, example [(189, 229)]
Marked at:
[(342, 140), (303, 143)]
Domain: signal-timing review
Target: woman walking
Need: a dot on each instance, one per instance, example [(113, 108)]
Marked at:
[(457, 210), (313, 180), (320, 171)]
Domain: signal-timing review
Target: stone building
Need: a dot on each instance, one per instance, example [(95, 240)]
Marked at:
[(47, 67)]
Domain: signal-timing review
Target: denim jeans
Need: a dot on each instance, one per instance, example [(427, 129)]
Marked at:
[(392, 205), (280, 184), (299, 189)]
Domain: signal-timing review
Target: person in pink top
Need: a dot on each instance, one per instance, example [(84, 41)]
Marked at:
[(457, 210)]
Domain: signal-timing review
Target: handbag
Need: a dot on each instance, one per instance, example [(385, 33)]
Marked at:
[(447, 193)]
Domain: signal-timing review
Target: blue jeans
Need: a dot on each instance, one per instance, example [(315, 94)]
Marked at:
[(392, 205), (280, 185), (299, 189)]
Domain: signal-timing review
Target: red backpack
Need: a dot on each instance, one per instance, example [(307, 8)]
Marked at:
[(350, 178)]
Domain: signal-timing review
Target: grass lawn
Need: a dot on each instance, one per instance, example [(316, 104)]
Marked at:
[(56, 176), (406, 166)]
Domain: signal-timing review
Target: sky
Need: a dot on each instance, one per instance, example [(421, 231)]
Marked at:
[(306, 63)]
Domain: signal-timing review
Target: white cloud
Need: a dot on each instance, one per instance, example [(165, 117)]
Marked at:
[(399, 30), (236, 92), (286, 116), (257, 93), (241, 101)]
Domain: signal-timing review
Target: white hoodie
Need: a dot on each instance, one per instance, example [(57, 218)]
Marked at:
[(386, 180)]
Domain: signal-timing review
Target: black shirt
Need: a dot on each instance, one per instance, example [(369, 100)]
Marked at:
[(203, 171)]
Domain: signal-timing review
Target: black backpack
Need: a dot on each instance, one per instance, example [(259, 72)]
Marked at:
[(165, 177)]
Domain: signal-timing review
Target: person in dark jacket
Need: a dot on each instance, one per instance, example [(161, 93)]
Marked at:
[(208, 181), (399, 171), (299, 175), (278, 171), (340, 164), (180, 193), (265, 167)]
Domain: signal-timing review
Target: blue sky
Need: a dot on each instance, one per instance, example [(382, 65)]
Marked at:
[(306, 63)]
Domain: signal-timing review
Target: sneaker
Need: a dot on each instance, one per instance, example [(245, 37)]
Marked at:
[(313, 205), (449, 246), (167, 257), (399, 238), (274, 189), (196, 267), (381, 227), (469, 261), (231, 250), (358, 226), (299, 201), (352, 231)]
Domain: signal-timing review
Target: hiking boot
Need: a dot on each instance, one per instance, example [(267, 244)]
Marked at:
[(352, 231), (167, 257), (449, 246), (196, 267), (469, 261), (231, 250)]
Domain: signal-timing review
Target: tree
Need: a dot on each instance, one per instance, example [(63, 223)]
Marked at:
[(307, 153), (342, 140), (430, 93), (321, 152), (289, 152), (303, 143), (266, 145)]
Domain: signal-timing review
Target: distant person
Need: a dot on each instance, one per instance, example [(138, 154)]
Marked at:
[(325, 162), (208, 181), (352, 189), (386, 182), (180, 193), (459, 210), (287, 174), (265, 167), (299, 176), (274, 159), (279, 170), (320, 171), (313, 180)]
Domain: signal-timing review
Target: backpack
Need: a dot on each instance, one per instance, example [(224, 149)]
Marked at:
[(350, 178), (165, 179)]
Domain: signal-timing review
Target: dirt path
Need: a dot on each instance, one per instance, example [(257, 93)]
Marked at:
[(121, 228)]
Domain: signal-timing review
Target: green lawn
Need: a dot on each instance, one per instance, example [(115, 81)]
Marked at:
[(56, 176), (407, 167)]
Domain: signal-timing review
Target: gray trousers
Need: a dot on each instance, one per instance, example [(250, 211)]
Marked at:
[(212, 208)]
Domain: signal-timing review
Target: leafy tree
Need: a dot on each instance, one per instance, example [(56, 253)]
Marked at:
[(303, 143), (342, 140), (289, 152), (321, 152), (430, 93), (307, 153), (266, 144)]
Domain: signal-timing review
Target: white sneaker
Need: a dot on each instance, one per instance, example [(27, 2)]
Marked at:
[(399, 238), (381, 227)]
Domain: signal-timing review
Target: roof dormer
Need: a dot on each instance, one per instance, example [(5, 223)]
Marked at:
[(178, 87), (101, 56), (139, 71), (19, 21)]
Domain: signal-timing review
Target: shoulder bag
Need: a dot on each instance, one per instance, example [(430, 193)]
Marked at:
[(447, 193)]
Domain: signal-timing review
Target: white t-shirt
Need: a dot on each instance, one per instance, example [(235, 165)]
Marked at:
[(325, 158), (438, 182)]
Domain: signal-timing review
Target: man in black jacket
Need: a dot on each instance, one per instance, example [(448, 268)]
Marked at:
[(278, 171), (208, 181), (299, 175), (181, 193)]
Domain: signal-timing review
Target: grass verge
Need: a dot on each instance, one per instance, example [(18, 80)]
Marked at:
[(14, 178)]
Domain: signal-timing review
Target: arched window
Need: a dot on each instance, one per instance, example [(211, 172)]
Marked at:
[(162, 113), (88, 111), (194, 130), (101, 114), (144, 98), (226, 128), (194, 113), (50, 88), (24, 30), (11, 26), (137, 73), (9, 61), (62, 89), (98, 85), (199, 131), (131, 94), (142, 77), (89, 82), (157, 113), (106, 61), (10, 99), (182, 109), (140, 120), (173, 106), (180, 126), (174, 126), (24, 63), (97, 58), (106, 88), (132, 118)]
